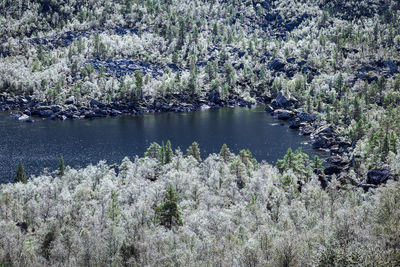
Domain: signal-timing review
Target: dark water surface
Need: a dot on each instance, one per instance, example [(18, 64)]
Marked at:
[(40, 145)]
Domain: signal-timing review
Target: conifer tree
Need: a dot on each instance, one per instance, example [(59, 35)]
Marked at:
[(357, 109), (61, 168), (247, 158), (153, 151), (21, 175), (168, 152), (139, 84), (317, 163), (161, 155), (238, 168), (194, 151), (225, 153), (385, 148), (168, 213)]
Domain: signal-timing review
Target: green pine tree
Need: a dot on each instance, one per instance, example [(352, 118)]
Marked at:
[(161, 156), (168, 213), (225, 153), (247, 158), (21, 175), (385, 148), (61, 169), (357, 109), (169, 154), (194, 151), (238, 168), (139, 84), (317, 163), (153, 151)]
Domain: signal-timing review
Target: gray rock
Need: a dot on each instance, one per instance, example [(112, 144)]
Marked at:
[(70, 101), (25, 118), (46, 113), (333, 170), (306, 117), (380, 176), (283, 114), (95, 103), (294, 123), (306, 130), (269, 109), (276, 65)]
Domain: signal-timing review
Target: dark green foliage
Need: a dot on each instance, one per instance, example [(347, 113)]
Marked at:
[(385, 148), (194, 151), (238, 168), (357, 112), (296, 161), (61, 168), (47, 244), (20, 175), (168, 213), (225, 153), (161, 156), (247, 158), (139, 84), (168, 153), (317, 164), (153, 151), (162, 153), (129, 251)]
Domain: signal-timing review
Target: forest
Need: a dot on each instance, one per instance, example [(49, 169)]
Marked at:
[(175, 209), (331, 68)]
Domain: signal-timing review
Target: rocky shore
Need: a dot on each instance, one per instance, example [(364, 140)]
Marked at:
[(27, 108), (325, 137)]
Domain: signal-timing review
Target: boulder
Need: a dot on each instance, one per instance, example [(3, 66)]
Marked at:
[(337, 160), (333, 170), (367, 187), (100, 112), (276, 65), (15, 115), (214, 97), (115, 112), (306, 117), (56, 109), (23, 226), (90, 115), (70, 101), (323, 130), (25, 118), (269, 109), (10, 100), (282, 114), (380, 176), (294, 123), (281, 102), (95, 103), (204, 107), (306, 130), (47, 113), (322, 142)]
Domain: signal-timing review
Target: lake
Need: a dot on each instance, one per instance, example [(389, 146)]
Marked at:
[(39, 145)]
